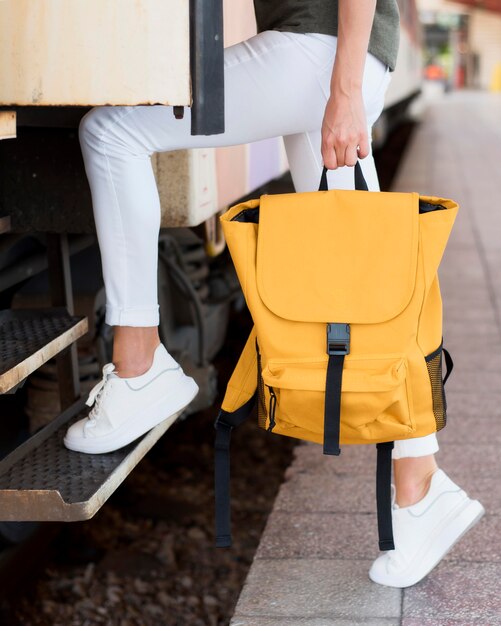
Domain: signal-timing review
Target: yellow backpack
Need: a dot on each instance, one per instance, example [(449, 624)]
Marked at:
[(346, 347)]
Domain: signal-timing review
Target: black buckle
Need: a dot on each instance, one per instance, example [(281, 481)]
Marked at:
[(338, 339)]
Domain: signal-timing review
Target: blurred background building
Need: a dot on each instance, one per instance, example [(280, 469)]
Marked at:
[(462, 42)]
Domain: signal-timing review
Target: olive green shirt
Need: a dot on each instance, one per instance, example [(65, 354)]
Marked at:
[(320, 16)]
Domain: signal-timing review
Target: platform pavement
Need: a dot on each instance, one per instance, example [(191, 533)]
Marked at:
[(311, 566)]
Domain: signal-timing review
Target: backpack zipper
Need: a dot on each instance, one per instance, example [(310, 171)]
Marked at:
[(273, 406)]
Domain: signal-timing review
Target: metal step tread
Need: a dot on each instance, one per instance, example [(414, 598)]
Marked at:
[(30, 337), (43, 481)]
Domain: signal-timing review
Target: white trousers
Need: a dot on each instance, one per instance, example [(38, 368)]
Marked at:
[(276, 84)]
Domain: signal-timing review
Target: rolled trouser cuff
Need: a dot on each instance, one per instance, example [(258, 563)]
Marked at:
[(132, 317), (420, 446)]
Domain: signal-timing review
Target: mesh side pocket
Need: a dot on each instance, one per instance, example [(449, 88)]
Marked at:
[(434, 365), (261, 401)]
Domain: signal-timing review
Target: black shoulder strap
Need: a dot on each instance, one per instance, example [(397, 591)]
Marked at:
[(224, 424), (383, 495), (332, 410), (338, 346)]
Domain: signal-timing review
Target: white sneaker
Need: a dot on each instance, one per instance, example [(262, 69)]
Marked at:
[(425, 532), (126, 408)]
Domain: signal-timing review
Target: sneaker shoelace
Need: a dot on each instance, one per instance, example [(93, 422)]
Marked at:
[(96, 394)]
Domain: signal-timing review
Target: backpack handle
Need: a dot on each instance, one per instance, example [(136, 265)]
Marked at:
[(360, 183)]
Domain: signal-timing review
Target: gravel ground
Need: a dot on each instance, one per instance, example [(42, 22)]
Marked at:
[(147, 558)]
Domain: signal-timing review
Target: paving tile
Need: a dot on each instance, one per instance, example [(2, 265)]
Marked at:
[(477, 381), (320, 493), (471, 314), (239, 620), (481, 374), (455, 285), (319, 535), (457, 246), (462, 243), (472, 344), (462, 403), (461, 234), (449, 622), (471, 268), (308, 490), (476, 305), (353, 460), (493, 258), (481, 543), (479, 357), (354, 536), (456, 328), (470, 309), (475, 296), (476, 459), (459, 429), (467, 592), (488, 230), (472, 297), (333, 589)]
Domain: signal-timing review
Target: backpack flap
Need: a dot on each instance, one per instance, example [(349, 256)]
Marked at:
[(338, 256)]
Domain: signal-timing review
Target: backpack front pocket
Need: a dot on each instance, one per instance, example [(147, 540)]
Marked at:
[(375, 401)]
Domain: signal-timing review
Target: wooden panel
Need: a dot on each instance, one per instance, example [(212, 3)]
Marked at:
[(186, 181), (7, 124), (94, 52)]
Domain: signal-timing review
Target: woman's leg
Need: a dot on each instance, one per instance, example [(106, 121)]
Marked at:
[(430, 515), (414, 465), (304, 149), (412, 478), (133, 349), (414, 461), (276, 84)]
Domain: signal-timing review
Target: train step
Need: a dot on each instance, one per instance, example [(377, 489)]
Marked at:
[(29, 338), (43, 481)]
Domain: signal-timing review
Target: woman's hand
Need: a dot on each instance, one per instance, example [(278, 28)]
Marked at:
[(344, 130)]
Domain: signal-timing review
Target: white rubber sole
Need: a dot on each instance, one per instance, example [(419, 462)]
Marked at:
[(136, 426), (448, 535)]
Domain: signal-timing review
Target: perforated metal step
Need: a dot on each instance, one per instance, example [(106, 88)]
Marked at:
[(43, 481), (29, 338)]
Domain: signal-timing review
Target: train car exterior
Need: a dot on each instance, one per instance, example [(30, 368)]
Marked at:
[(406, 81), (44, 191)]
